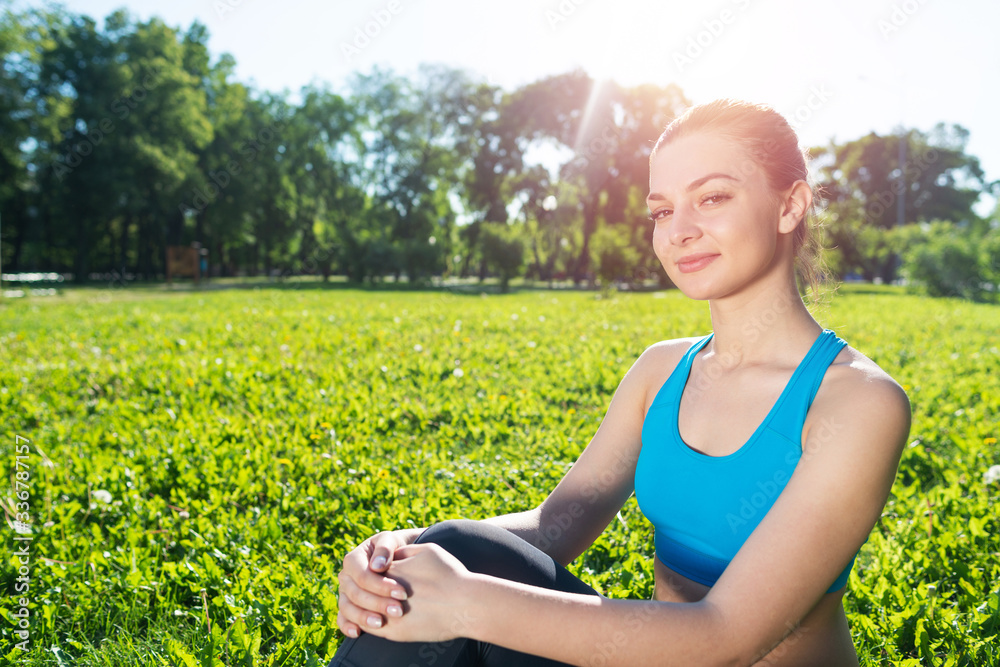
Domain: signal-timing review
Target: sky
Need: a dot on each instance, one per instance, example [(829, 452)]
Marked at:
[(837, 70)]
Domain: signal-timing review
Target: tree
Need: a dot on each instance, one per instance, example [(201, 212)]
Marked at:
[(26, 126), (866, 185), (125, 145), (613, 255), (315, 135), (503, 251), (948, 259), (410, 150), (610, 130)]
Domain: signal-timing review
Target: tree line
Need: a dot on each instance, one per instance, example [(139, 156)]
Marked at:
[(120, 141)]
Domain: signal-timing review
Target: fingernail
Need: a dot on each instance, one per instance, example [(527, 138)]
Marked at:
[(395, 610), (375, 621), (353, 633), (378, 563), (398, 594)]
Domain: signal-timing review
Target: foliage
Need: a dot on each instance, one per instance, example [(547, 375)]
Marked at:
[(123, 139), (119, 140), (200, 463), (502, 250), (951, 260), (614, 256), (865, 182)]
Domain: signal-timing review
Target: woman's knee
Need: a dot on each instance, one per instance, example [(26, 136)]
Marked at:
[(453, 532), (489, 549)]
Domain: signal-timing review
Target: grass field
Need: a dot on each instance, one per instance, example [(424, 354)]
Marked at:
[(199, 463)]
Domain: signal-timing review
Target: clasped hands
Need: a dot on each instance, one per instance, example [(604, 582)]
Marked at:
[(401, 591)]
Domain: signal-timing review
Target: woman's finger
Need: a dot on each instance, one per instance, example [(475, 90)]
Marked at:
[(383, 547), (369, 601), (379, 584), (350, 629), (356, 567), (363, 618)]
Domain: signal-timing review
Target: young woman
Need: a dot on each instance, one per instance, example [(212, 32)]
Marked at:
[(762, 453)]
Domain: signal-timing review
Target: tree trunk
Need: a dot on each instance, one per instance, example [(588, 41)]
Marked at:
[(175, 228), (589, 225), (123, 242), (220, 261), (145, 249), (538, 260), (81, 263), (20, 231)]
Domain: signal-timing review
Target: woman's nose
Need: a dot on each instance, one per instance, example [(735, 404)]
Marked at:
[(683, 226)]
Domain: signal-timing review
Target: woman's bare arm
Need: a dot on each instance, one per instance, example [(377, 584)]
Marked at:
[(594, 489), (831, 503)]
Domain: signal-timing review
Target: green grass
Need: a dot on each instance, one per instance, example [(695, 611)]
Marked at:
[(246, 439)]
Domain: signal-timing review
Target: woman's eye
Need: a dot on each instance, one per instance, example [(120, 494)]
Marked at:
[(717, 198), (659, 214)]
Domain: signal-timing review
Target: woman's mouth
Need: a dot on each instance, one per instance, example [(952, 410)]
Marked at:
[(695, 262)]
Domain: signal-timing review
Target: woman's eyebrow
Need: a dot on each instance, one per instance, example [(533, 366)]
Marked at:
[(704, 179), (695, 184)]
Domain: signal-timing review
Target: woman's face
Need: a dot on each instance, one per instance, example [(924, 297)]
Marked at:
[(716, 219)]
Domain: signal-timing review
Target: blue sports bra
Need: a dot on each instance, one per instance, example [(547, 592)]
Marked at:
[(705, 507)]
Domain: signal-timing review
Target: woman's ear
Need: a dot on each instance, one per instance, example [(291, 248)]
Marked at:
[(794, 206)]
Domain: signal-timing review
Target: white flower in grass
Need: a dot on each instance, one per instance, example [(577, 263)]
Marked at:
[(102, 496), (992, 475), (458, 372)]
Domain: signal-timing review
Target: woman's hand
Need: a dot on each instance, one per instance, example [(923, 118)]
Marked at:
[(367, 598), (438, 595)]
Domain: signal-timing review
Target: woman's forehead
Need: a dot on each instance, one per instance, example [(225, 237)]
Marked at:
[(689, 159)]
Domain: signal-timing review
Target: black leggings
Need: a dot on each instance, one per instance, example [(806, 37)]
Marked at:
[(482, 548)]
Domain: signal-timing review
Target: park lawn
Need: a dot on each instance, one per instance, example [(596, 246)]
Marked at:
[(200, 462)]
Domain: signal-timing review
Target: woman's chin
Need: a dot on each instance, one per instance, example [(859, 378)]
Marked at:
[(694, 289), (700, 295)]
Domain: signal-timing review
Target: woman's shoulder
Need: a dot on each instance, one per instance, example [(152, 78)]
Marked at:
[(657, 362), (672, 345), (856, 388), (663, 355), (851, 371)]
